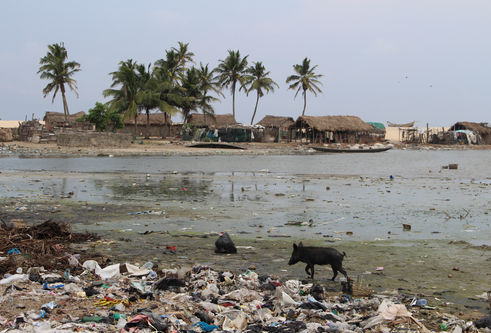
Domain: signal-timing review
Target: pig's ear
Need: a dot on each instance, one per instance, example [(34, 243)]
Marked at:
[(300, 244), (294, 246)]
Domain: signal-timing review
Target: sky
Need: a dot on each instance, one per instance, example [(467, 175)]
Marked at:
[(381, 60)]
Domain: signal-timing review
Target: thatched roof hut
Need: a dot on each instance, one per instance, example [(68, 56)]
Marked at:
[(221, 120), (156, 119), (482, 130), (475, 127), (276, 122), (333, 123), (57, 119), (341, 129)]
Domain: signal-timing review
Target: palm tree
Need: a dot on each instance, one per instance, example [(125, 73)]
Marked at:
[(59, 71), (148, 97), (124, 98), (230, 71), (183, 55), (305, 79), (208, 82), (170, 64), (192, 95), (169, 91), (258, 80)]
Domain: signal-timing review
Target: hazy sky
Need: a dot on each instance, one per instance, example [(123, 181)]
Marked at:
[(391, 60)]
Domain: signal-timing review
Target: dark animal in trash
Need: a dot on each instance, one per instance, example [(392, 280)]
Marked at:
[(483, 322), (165, 283), (224, 244), (312, 255)]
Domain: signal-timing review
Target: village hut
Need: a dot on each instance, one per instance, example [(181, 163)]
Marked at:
[(276, 127), (327, 129), (218, 120), (467, 133), (57, 119), (159, 125), (223, 128)]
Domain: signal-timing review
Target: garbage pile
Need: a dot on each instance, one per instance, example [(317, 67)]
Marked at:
[(130, 298), (86, 295)]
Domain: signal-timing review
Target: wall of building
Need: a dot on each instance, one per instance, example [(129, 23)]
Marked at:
[(94, 140), (394, 134)]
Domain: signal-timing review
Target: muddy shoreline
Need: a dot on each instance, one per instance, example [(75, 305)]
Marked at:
[(421, 262)]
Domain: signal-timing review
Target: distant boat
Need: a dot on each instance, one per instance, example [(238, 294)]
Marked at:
[(344, 150), (215, 145), (400, 125)]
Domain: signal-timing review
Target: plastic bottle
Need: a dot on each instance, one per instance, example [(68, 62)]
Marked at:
[(148, 265)]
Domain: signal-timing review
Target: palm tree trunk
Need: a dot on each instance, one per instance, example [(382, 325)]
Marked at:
[(255, 109), (233, 103), (65, 104), (304, 102), (136, 125), (147, 130), (166, 127)]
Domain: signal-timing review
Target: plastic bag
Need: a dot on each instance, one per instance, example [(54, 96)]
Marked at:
[(237, 323)]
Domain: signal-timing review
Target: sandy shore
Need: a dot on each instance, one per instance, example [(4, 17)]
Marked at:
[(166, 147)]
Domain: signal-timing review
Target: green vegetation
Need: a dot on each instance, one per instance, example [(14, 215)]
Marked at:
[(171, 86), (232, 70), (258, 80), (304, 80), (101, 116), (56, 69)]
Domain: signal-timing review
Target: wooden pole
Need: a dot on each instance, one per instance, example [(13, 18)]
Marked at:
[(427, 133)]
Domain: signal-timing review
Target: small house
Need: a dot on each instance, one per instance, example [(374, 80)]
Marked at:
[(276, 127), (159, 125), (327, 129), (470, 133)]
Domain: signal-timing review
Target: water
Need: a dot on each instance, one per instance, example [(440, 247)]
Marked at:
[(473, 164), (259, 194)]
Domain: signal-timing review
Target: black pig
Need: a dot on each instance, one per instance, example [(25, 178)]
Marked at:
[(318, 256)]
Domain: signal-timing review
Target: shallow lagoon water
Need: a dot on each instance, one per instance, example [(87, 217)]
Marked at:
[(259, 194)]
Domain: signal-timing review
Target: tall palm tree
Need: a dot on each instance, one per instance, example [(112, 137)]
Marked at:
[(124, 98), (183, 55), (169, 92), (148, 96), (170, 64), (232, 70), (304, 80), (59, 71), (208, 82), (258, 80)]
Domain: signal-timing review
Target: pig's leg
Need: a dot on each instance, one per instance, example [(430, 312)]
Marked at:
[(312, 270), (307, 269), (335, 272), (339, 268)]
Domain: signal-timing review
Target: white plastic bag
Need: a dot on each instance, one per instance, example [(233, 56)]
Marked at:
[(15, 278)]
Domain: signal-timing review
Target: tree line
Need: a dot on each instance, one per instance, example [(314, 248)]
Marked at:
[(172, 85)]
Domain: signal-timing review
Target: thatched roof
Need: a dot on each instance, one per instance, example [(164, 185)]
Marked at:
[(333, 123), (475, 127), (276, 121), (156, 119), (220, 120), (59, 117)]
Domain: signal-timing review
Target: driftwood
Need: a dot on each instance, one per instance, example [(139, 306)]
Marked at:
[(459, 217), (45, 244)]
